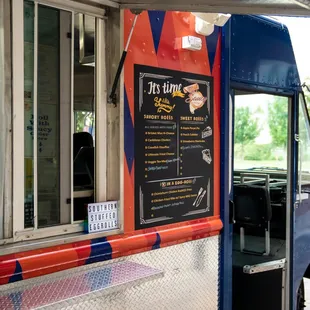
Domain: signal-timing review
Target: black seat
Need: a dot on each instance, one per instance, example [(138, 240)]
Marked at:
[(81, 139), (84, 168), (83, 159), (252, 208)]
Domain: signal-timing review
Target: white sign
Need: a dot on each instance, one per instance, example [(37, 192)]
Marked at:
[(102, 216)]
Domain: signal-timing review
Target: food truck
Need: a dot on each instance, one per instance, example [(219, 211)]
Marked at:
[(151, 159)]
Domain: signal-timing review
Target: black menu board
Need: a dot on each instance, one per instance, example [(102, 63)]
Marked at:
[(173, 146)]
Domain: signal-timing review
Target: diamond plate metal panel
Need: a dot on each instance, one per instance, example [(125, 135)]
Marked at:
[(108, 278), (190, 280)]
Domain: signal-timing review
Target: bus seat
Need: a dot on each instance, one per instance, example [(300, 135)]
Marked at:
[(84, 168), (252, 209), (81, 139)]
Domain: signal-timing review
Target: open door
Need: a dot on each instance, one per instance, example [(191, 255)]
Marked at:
[(301, 240), (261, 196)]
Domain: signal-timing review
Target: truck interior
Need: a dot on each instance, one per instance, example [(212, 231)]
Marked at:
[(84, 115)]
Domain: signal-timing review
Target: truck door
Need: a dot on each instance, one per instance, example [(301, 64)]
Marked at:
[(262, 180), (301, 236)]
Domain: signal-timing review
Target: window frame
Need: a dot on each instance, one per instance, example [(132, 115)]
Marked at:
[(5, 111), (8, 162), (237, 91), (302, 104), (103, 139)]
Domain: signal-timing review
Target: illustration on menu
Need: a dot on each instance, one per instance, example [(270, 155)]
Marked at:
[(173, 146)]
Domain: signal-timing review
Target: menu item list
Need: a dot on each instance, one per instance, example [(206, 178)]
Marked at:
[(173, 146)]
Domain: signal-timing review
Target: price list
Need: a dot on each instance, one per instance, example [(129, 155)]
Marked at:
[(173, 146), (160, 149)]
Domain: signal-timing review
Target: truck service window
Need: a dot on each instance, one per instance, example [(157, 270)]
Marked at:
[(42, 109), (59, 115), (84, 115)]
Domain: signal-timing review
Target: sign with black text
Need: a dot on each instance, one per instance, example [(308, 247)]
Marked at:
[(102, 216), (173, 146)]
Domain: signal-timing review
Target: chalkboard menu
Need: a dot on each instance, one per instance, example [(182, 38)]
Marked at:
[(173, 146)]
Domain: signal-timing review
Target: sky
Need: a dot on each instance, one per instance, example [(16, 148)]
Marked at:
[(299, 28)]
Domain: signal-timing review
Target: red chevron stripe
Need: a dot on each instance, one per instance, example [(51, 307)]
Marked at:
[(167, 56), (190, 61), (217, 115)]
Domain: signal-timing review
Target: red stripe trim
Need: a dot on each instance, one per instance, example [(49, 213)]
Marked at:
[(45, 261)]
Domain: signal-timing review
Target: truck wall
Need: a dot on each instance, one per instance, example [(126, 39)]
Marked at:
[(187, 253), (155, 43), (262, 54), (175, 249)]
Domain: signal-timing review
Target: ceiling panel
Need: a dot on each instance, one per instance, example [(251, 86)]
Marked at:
[(266, 7)]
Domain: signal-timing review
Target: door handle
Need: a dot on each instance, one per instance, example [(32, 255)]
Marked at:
[(231, 212)]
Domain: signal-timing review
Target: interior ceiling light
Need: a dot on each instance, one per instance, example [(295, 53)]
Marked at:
[(84, 60)]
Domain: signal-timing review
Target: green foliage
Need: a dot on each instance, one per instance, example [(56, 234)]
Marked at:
[(258, 152), (277, 121), (79, 121), (83, 118), (246, 127)]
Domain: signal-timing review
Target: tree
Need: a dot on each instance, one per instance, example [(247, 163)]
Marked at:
[(83, 118), (277, 121), (246, 127)]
